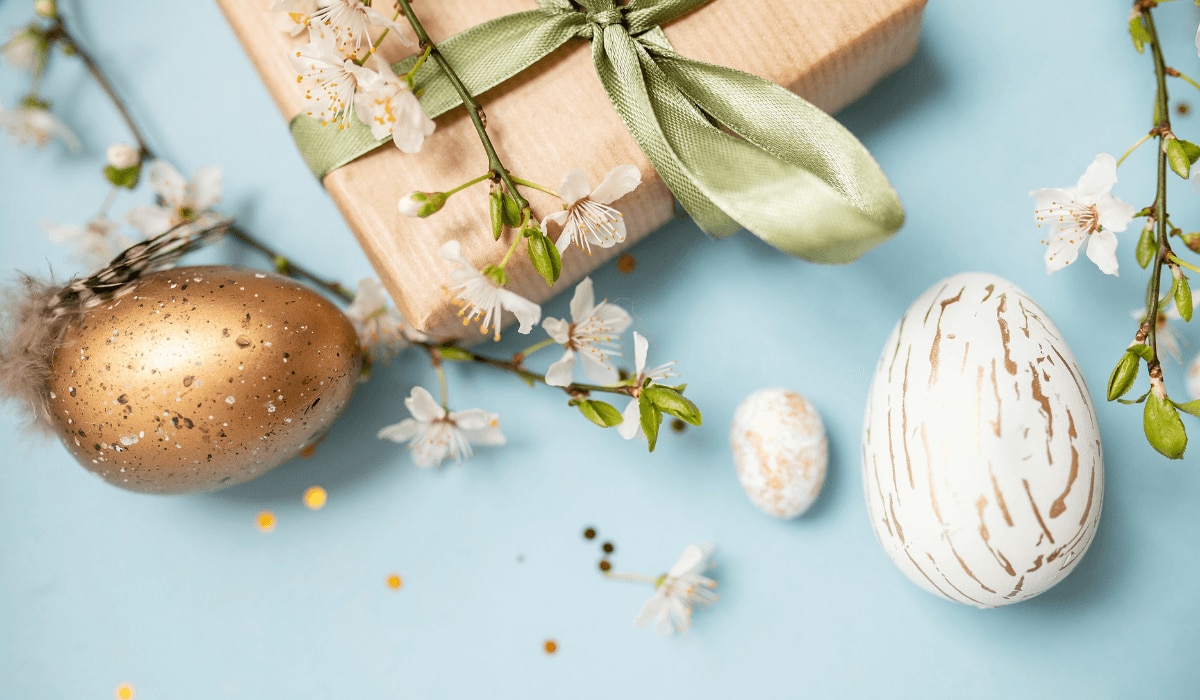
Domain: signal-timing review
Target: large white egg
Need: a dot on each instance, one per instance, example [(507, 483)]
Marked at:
[(981, 452), (780, 451)]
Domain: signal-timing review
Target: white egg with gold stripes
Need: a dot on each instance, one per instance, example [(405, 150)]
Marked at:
[(982, 461)]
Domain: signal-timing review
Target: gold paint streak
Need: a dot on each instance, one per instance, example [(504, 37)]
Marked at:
[(991, 288), (929, 476), (904, 421), (1037, 513), (899, 530), (999, 496), (966, 354), (1083, 392), (1091, 492), (891, 447), (935, 298), (999, 404), (1060, 505), (896, 351), (1037, 564), (947, 579), (967, 569), (1009, 364), (935, 347), (1020, 583), (986, 536), (879, 490), (1041, 397)]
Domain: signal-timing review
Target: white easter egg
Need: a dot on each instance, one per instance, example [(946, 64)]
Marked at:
[(780, 451), (981, 452)]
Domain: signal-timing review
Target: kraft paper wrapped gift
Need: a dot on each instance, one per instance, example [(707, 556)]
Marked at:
[(554, 117)]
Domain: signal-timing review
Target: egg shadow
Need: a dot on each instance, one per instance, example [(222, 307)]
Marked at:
[(350, 456)]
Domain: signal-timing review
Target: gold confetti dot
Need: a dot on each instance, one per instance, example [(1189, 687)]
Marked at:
[(626, 263), (394, 582), (550, 646), (265, 521), (124, 692), (315, 497)]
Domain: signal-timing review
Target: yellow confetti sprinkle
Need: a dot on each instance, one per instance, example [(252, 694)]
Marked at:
[(394, 582), (315, 498), (265, 521), (124, 692)]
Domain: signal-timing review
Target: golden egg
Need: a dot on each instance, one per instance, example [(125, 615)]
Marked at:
[(198, 378)]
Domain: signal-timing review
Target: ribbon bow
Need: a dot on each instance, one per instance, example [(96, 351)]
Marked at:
[(792, 175)]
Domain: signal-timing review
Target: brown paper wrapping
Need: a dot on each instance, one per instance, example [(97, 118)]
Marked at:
[(555, 117)]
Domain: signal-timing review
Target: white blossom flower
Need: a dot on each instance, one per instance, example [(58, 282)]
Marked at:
[(1088, 211), (586, 218), (677, 591), (387, 105), (592, 333), (122, 156), (25, 50), (330, 81), (631, 424), (381, 329), (94, 244), (350, 22), (1193, 378), (35, 125), (181, 200), (1168, 338), (433, 434), (292, 16), (482, 298)]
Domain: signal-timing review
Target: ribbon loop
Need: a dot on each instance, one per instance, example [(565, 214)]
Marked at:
[(736, 150)]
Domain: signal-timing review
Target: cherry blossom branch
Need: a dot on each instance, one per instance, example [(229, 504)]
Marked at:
[(474, 110), (1162, 251)]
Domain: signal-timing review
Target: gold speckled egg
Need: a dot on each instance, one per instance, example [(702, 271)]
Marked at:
[(198, 378)]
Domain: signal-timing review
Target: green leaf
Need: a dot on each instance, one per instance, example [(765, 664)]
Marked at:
[(545, 257), (1164, 428), (1131, 402), (1123, 376), (1178, 158), (1143, 351), (124, 177), (496, 212), (1137, 30), (511, 211), (650, 417), (453, 353), (1191, 150), (600, 413), (1147, 246), (1191, 408), (1183, 298), (672, 402)]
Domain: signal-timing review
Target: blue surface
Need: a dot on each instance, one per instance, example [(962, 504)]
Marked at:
[(184, 598)]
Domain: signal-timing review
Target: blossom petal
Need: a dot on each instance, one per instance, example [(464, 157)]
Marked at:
[(422, 406), (619, 182), (412, 123), (168, 183), (479, 426), (149, 219), (1062, 251), (640, 347), (558, 329), (527, 312), (631, 421), (1099, 177), (694, 560), (1115, 215), (560, 373), (653, 609), (399, 432), (452, 251), (583, 300), (613, 317), (205, 188), (1102, 250), (574, 186), (597, 371)]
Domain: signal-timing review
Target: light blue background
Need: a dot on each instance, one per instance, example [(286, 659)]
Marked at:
[(185, 599)]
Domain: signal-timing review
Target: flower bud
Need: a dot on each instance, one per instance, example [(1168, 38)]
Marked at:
[(46, 8), (122, 156), (422, 204), (26, 50)]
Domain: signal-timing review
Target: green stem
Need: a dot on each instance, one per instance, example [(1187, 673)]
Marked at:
[(1183, 263), (410, 76), (538, 346), (534, 185), (441, 373), (511, 249), (474, 111), (1185, 78), (1133, 148), (1163, 250), (488, 175), (289, 268)]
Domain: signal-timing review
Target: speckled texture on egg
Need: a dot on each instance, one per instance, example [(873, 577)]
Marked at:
[(982, 462), (780, 451), (198, 378)]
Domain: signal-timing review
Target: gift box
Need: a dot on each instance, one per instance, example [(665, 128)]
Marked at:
[(554, 117)]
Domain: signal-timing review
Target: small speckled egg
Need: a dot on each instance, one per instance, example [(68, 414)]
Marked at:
[(198, 378), (780, 451)]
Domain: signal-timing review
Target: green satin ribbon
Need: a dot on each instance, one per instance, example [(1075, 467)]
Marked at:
[(792, 175)]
